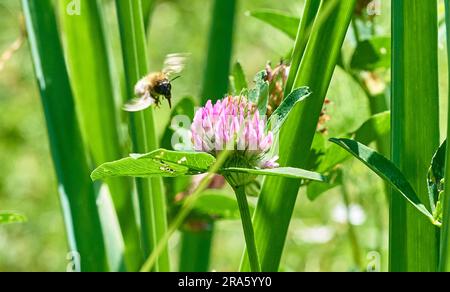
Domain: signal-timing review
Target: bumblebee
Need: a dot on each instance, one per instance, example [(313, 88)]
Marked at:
[(156, 86)]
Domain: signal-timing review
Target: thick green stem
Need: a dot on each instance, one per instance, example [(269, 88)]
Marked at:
[(248, 228)]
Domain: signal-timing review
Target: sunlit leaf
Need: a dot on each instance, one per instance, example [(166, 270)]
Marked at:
[(377, 126), (161, 162), (259, 95), (239, 79), (218, 204), (384, 169), (436, 173), (11, 217), (279, 20), (315, 189), (278, 118), (372, 54)]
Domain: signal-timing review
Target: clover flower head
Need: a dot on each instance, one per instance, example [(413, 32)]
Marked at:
[(235, 124)]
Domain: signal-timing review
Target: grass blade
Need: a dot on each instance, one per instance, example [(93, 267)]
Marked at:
[(97, 112), (304, 30), (278, 195), (444, 263), (278, 19), (196, 249), (148, 6), (238, 78), (415, 129), (78, 198), (215, 83), (279, 117), (150, 191)]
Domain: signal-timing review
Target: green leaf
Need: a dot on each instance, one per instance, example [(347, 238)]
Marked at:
[(161, 162), (372, 54), (10, 217), (194, 161), (384, 169), (239, 79), (259, 95), (436, 173), (327, 156), (134, 167), (279, 20), (376, 127), (280, 115), (286, 172), (315, 189), (218, 204)]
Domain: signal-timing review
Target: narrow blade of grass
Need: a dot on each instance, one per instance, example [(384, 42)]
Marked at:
[(87, 59), (78, 198), (278, 19), (150, 191), (196, 249), (415, 129), (304, 30), (215, 83), (445, 231), (148, 6), (278, 195)]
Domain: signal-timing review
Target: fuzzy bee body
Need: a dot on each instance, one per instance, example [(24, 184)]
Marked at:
[(157, 85)]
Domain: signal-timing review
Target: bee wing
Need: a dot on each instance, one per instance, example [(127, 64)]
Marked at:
[(175, 63), (139, 104), (141, 87)]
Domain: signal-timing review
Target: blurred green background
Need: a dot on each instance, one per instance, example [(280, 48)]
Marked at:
[(319, 237)]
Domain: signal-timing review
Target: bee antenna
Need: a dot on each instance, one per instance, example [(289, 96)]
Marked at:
[(175, 78)]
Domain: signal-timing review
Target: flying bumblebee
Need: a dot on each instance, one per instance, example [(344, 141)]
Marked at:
[(157, 85)]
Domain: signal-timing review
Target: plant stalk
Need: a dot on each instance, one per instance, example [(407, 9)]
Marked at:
[(248, 228), (76, 190), (444, 264)]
